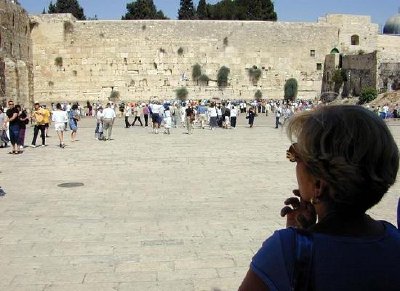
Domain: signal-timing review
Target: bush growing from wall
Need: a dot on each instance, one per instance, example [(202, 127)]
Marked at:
[(367, 95), (114, 95), (182, 93), (255, 74), (58, 61), (258, 95), (204, 79), (291, 88), (222, 77), (196, 72)]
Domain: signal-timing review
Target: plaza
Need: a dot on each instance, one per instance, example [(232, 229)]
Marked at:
[(155, 212)]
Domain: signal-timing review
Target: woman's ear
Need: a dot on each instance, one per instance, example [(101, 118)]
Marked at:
[(320, 189)]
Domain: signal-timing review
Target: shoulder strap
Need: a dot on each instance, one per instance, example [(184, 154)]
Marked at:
[(303, 264), (398, 214)]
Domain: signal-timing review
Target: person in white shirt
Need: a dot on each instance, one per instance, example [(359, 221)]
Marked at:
[(156, 108), (98, 133), (59, 117), (108, 120), (212, 112), (234, 113), (167, 120), (128, 113)]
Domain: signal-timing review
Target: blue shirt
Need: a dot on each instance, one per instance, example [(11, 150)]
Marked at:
[(339, 263)]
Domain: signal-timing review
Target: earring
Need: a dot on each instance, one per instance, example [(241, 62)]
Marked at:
[(314, 201)]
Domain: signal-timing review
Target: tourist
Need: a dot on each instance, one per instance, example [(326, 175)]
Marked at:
[(109, 116), (146, 112), (227, 118), (47, 119), (219, 115), (13, 126), (278, 113), (137, 112), (3, 129), (39, 125), (212, 113), (174, 116), (127, 113), (251, 116), (156, 107), (98, 132), (167, 120), (190, 116), (202, 112), (23, 120), (73, 119), (330, 242), (60, 117), (234, 113), (182, 111)]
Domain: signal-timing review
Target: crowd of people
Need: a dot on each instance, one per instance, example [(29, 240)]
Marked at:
[(190, 114)]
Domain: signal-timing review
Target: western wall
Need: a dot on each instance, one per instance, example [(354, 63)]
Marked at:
[(87, 60)]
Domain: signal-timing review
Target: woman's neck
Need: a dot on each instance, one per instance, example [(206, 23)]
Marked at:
[(348, 224)]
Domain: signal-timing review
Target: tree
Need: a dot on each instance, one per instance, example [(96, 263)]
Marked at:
[(186, 10), (67, 6), (143, 9), (290, 89), (242, 10), (202, 10), (268, 10)]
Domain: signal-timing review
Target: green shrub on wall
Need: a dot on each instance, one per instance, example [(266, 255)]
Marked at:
[(204, 79), (222, 77), (58, 61), (182, 93), (367, 95), (258, 95), (291, 88), (255, 74), (196, 72), (114, 95)]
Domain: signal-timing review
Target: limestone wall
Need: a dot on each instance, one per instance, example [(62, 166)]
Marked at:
[(357, 26), (140, 59), (16, 79), (388, 62)]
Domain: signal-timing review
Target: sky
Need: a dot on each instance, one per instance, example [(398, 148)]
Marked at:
[(287, 10)]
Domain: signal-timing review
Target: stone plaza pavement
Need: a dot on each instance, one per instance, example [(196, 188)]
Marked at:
[(156, 212)]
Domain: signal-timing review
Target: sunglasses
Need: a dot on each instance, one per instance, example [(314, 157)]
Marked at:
[(291, 153)]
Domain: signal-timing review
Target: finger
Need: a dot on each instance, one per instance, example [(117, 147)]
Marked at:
[(294, 201), (286, 210), (296, 192)]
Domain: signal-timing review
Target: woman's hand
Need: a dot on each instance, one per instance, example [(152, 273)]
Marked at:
[(299, 213)]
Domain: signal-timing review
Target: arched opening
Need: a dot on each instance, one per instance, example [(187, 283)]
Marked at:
[(355, 40), (334, 51)]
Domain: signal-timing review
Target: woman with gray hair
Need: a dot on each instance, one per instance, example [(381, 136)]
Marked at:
[(346, 160)]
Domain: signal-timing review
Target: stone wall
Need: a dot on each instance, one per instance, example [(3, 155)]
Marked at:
[(16, 78), (140, 59), (86, 60)]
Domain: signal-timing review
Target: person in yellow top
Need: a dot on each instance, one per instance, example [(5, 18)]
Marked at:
[(38, 117), (47, 119)]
